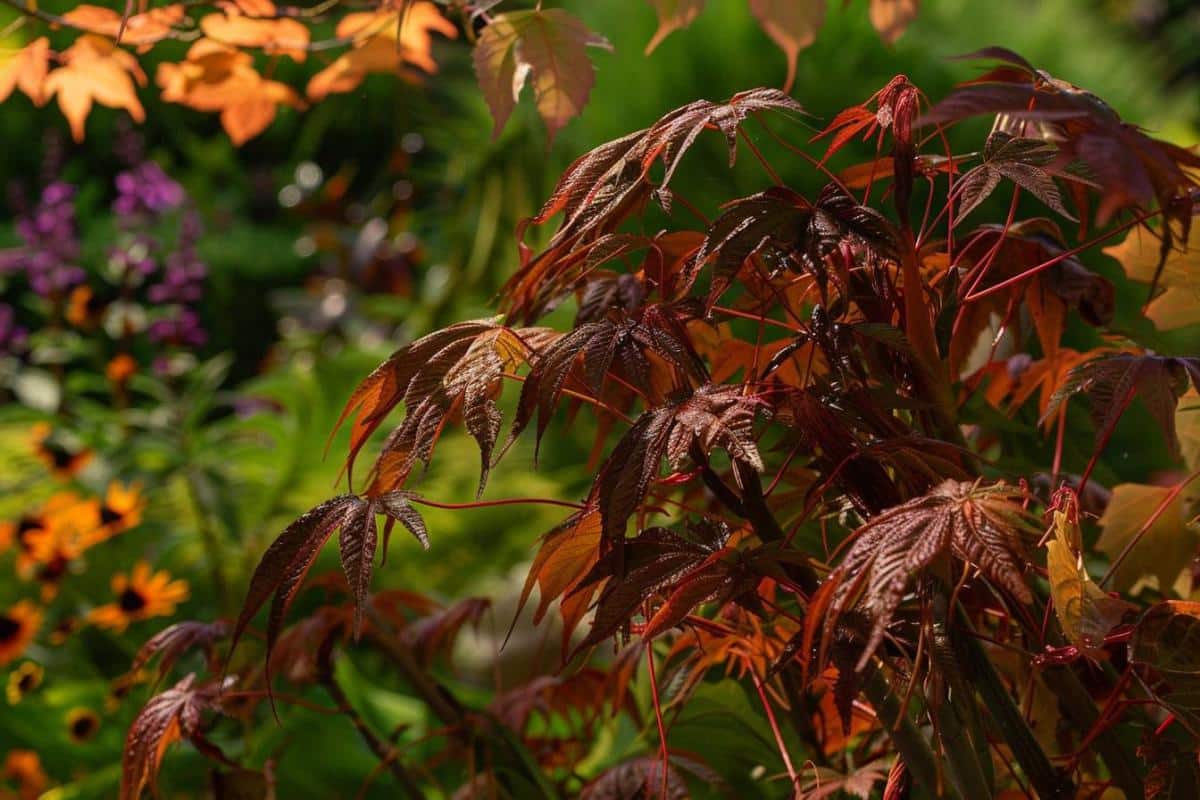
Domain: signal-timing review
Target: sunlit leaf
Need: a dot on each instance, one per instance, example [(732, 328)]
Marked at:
[(547, 47)]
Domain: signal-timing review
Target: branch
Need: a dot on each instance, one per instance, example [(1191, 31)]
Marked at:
[(386, 754)]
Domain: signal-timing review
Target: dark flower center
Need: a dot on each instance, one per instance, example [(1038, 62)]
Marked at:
[(53, 570), (9, 628), (83, 726), (60, 456), (109, 515), (26, 526), (27, 682), (131, 601)]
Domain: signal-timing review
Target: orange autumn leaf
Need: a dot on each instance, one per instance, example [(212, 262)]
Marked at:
[(377, 48), (215, 77), (277, 36), (26, 71), (141, 30), (95, 71)]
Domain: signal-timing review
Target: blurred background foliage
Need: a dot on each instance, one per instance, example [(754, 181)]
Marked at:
[(348, 229)]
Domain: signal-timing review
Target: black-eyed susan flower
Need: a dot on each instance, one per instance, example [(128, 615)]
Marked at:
[(82, 724), (17, 533), (24, 768), (18, 625), (70, 525), (23, 680), (140, 595), (121, 509), (64, 461)]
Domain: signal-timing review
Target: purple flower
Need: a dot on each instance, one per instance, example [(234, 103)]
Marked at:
[(51, 243), (146, 189), (182, 327)]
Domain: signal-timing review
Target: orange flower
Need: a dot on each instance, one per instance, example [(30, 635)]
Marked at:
[(63, 461), (83, 307), (120, 369), (18, 626), (69, 526), (18, 532), (140, 595), (121, 509), (24, 767)]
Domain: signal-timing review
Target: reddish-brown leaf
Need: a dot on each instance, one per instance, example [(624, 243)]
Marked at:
[(173, 641), (980, 525), (1111, 382), (167, 718)]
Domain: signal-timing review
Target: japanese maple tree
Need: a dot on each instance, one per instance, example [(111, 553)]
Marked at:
[(811, 478)]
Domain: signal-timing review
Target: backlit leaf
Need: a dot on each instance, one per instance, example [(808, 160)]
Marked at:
[(26, 70), (791, 24), (891, 17), (1178, 304), (1162, 551), (95, 71), (672, 16), (1087, 614), (547, 47)]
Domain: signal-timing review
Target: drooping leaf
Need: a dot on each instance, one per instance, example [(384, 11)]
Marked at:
[(1162, 550), (216, 77), (383, 42), (791, 24), (602, 188), (167, 718), (982, 525), (95, 71), (548, 46), (593, 350), (890, 18), (282, 36), (435, 633), (140, 30), (283, 568), (566, 554), (672, 16), (172, 642), (458, 368), (633, 570), (711, 417), (1086, 613), (26, 70)]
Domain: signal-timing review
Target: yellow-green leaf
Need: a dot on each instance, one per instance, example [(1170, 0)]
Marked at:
[(1085, 612), (1178, 301), (1163, 550)]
